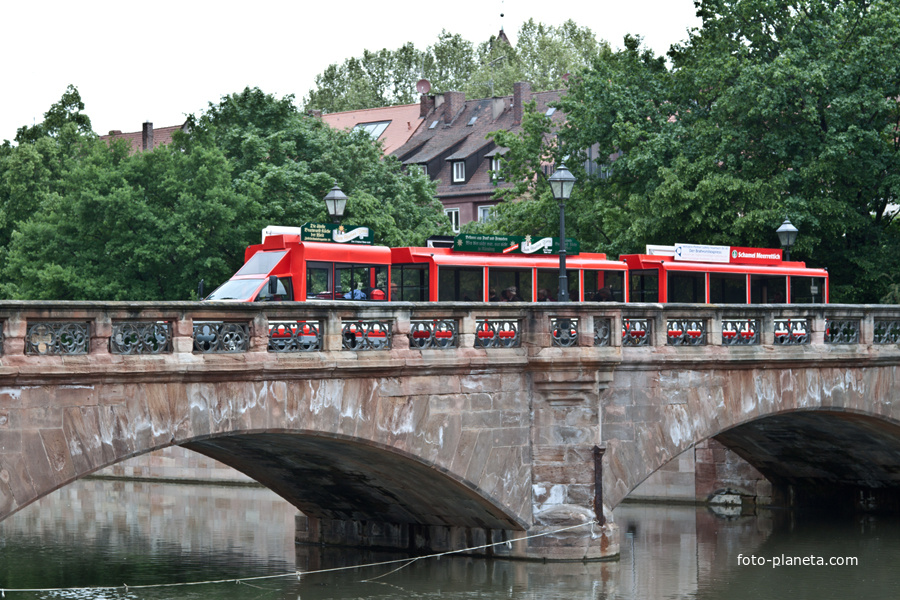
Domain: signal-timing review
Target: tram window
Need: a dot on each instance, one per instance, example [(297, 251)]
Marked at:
[(460, 283), (768, 289), (686, 287), (504, 280), (596, 281), (727, 288), (318, 281), (338, 281), (548, 280), (284, 291), (409, 283), (350, 282), (643, 286), (261, 263), (807, 290), (359, 282)]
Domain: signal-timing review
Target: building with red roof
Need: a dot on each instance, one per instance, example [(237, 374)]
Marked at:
[(147, 138), (452, 146), (391, 125)]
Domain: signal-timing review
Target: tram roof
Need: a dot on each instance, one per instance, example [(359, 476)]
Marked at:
[(449, 257), (652, 261), (324, 251)]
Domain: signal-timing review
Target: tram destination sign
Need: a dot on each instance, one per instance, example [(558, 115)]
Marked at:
[(512, 244), (336, 234)]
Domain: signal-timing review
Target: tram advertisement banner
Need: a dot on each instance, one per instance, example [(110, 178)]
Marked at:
[(340, 234), (512, 244), (755, 256), (701, 253)]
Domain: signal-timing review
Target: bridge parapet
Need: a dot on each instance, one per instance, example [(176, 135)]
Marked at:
[(71, 329)]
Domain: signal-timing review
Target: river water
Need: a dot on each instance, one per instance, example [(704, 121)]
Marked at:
[(98, 533)]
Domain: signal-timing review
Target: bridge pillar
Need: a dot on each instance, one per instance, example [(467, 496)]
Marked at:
[(566, 474)]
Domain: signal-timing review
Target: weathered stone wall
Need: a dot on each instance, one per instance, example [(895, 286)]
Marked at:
[(665, 401), (425, 438), (675, 481)]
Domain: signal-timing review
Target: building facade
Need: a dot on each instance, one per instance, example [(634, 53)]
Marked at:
[(453, 148)]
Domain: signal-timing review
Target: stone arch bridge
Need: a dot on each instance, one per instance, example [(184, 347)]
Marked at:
[(439, 427)]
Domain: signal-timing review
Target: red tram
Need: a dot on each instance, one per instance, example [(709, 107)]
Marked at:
[(284, 267)]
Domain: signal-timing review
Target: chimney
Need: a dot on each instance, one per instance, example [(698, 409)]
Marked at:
[(147, 136), (317, 113), (426, 105), (521, 97), (455, 102)]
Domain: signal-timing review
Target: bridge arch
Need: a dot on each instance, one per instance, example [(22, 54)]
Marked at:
[(394, 452), (814, 432), (352, 479), (823, 456)]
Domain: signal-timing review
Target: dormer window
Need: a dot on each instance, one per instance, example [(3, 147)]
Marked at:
[(459, 171), (495, 167)]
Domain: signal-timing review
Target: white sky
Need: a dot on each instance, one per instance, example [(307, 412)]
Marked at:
[(135, 61)]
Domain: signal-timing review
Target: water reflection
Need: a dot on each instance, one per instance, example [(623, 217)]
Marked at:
[(101, 533)]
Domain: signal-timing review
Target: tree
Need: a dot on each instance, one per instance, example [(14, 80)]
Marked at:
[(286, 162), (449, 63), (545, 55), (119, 227), (772, 108), (85, 220), (379, 78), (66, 111)]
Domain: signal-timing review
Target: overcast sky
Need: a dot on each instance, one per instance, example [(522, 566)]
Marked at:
[(158, 61)]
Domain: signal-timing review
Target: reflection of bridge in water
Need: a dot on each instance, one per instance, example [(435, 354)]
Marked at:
[(448, 426)]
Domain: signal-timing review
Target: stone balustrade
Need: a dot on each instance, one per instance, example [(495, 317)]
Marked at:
[(67, 329)]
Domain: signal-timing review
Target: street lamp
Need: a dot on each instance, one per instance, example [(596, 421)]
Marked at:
[(787, 235), (561, 183), (336, 201)]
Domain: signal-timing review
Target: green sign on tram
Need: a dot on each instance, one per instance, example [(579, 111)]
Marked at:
[(512, 244), (339, 234)]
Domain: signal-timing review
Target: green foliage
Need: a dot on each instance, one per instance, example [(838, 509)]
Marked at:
[(449, 63), (528, 203), (128, 228), (544, 56), (375, 79), (65, 112), (772, 108), (80, 219), (286, 163)]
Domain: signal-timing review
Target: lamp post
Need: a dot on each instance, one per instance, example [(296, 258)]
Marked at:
[(335, 202), (561, 182), (787, 235)]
